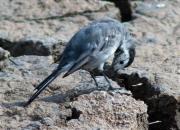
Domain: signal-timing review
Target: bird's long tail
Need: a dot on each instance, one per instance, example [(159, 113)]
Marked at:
[(43, 85)]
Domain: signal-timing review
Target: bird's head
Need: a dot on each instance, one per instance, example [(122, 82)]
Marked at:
[(124, 55)]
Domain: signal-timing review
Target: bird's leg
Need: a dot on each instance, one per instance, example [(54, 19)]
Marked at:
[(94, 80), (110, 86), (101, 69), (106, 78)]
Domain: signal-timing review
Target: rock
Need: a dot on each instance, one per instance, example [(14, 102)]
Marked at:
[(149, 38), (17, 84), (41, 47), (33, 126), (29, 71), (149, 8), (61, 110), (53, 128), (3, 54), (46, 25), (159, 91), (178, 71), (100, 110), (153, 77), (48, 121)]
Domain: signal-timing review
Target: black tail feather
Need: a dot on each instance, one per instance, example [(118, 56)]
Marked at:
[(45, 80), (42, 86)]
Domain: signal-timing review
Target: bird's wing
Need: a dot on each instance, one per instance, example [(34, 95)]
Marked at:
[(82, 60), (88, 41), (94, 34)]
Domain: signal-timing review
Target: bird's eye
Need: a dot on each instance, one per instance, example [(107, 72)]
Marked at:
[(121, 62)]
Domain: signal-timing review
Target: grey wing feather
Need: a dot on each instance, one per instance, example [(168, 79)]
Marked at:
[(78, 64), (89, 39)]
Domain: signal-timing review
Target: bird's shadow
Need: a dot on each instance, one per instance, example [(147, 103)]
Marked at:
[(82, 88), (70, 95), (13, 104)]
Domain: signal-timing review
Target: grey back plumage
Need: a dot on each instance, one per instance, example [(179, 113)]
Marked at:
[(94, 38)]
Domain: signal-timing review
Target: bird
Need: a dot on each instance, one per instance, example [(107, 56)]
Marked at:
[(88, 49)]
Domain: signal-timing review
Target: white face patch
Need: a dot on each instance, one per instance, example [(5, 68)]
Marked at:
[(121, 59)]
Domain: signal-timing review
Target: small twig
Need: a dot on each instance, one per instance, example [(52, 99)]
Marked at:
[(155, 122), (139, 84), (13, 62)]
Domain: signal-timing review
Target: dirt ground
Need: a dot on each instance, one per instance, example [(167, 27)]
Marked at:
[(33, 32)]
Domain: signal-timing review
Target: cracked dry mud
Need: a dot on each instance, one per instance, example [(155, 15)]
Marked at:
[(40, 30)]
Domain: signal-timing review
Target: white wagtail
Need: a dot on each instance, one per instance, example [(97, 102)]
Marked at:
[(89, 49)]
